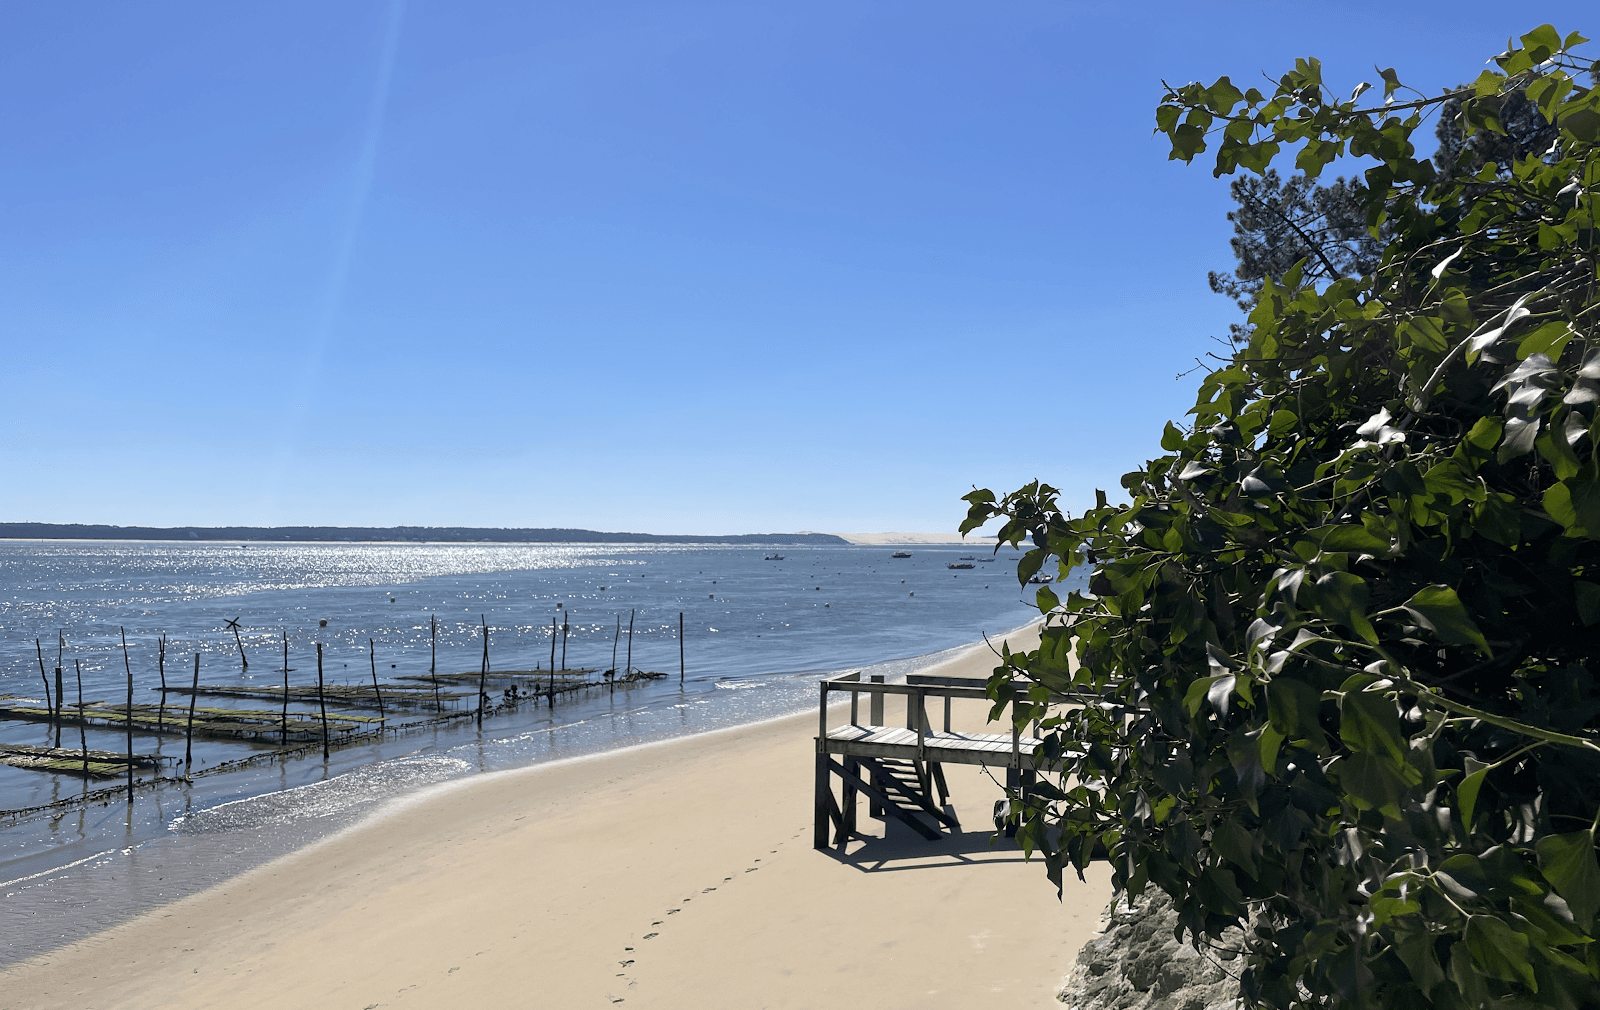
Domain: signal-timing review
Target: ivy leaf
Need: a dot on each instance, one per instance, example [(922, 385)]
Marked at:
[(1414, 942), (1439, 609), (1351, 538), (1467, 795), (1342, 597), (1568, 862), (1046, 600), (1500, 951), (1498, 519), (1220, 691), (1171, 438), (1292, 708), (1370, 722), (1232, 842)]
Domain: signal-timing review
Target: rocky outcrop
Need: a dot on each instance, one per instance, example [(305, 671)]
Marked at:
[(1135, 964)]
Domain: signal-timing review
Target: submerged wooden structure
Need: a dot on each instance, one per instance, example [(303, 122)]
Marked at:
[(95, 764), (260, 725), (349, 695), (901, 769)]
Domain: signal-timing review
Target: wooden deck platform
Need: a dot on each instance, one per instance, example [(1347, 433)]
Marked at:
[(901, 769)]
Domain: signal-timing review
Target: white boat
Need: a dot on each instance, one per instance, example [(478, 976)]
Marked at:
[(900, 554)]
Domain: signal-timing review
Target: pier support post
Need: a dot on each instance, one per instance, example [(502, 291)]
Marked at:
[(875, 718)]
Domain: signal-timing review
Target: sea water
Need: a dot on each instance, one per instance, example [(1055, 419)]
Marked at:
[(760, 627)]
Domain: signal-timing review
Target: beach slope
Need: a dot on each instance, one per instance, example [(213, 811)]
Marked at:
[(672, 875)]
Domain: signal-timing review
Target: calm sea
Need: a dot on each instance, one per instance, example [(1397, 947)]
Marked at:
[(758, 632)]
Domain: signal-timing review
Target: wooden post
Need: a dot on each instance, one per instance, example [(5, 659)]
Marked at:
[(283, 720), (630, 639), (129, 718), (61, 647), (823, 788), (188, 732), (550, 695), (234, 624), (372, 652), (566, 626), (614, 640), (83, 738), (483, 672), (875, 718), (161, 666), (433, 662), (680, 649), (48, 703), (322, 703)]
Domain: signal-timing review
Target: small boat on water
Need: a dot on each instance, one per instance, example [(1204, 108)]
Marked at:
[(774, 557), (1039, 580), (962, 564), (901, 554), (966, 557)]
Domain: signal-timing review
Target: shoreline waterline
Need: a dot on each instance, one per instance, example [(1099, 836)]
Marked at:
[(219, 843), (670, 874)]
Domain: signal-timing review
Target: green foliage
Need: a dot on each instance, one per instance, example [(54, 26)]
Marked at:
[(1344, 630)]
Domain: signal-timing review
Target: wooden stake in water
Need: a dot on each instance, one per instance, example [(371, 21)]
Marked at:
[(551, 694), (433, 663), (680, 648), (372, 650), (283, 720), (483, 672), (83, 738), (61, 696), (128, 667), (566, 625), (161, 666), (630, 640), (322, 704), (48, 703), (188, 731), (611, 674), (234, 624)]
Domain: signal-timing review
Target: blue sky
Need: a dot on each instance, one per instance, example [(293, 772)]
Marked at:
[(699, 268)]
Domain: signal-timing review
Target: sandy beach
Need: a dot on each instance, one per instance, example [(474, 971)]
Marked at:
[(671, 875)]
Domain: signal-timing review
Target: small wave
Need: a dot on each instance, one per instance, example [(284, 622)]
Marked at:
[(738, 685), (338, 795)]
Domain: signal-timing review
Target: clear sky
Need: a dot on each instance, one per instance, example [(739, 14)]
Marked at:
[(664, 267)]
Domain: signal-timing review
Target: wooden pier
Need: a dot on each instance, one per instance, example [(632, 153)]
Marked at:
[(901, 769)]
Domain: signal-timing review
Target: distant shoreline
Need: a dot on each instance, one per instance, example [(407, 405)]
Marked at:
[(392, 534)]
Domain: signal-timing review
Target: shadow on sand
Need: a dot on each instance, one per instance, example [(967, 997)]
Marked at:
[(899, 848)]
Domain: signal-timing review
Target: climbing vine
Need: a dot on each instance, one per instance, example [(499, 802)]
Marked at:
[(1346, 632)]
